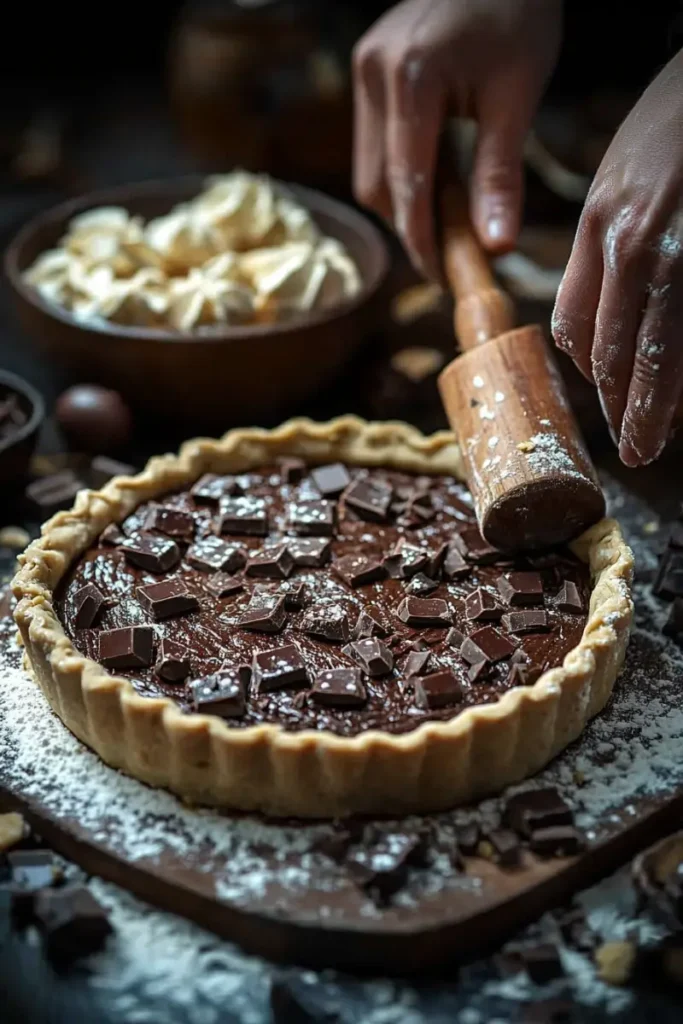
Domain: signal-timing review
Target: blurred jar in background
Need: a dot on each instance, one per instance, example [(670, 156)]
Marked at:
[(265, 85)]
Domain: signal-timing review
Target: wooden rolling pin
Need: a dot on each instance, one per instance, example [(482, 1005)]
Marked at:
[(527, 466)]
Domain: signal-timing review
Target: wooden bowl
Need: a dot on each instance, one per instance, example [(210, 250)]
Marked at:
[(243, 373), (17, 449)]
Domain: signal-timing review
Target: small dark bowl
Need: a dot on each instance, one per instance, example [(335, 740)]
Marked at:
[(238, 375), (17, 449)]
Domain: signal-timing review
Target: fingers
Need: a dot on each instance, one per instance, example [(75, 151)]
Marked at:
[(369, 181), (578, 297)]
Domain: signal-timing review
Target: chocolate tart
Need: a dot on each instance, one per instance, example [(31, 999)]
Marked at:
[(306, 621)]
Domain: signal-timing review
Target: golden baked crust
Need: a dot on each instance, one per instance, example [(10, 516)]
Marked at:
[(312, 773)]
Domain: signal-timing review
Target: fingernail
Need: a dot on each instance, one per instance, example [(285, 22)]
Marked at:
[(608, 418), (495, 229)]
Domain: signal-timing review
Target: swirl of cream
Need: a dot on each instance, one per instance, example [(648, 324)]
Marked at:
[(298, 276)]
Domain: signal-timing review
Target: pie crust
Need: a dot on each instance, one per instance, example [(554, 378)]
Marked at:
[(314, 773)]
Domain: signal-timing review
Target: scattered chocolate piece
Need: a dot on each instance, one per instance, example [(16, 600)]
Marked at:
[(437, 690), (310, 552), (468, 837), (534, 809), (339, 688), (211, 554), (244, 515), (521, 588), (369, 498), (89, 603), (454, 638), (382, 869), (173, 662), (167, 599), (569, 598), (102, 469), (222, 584), (506, 848), (369, 624), (406, 560), (574, 928), (520, 657), (312, 518), (265, 613), (173, 522), (71, 921), (479, 671), (335, 844), (223, 693), (328, 621), (210, 489), (278, 668), (416, 663), (673, 626), (292, 470), (420, 585), (669, 581), (357, 570), (128, 647), (372, 656), (475, 549), (154, 554), (480, 605), (32, 870), (436, 561), (556, 841), (542, 963), (454, 565), (486, 644), (530, 621), (49, 494), (424, 612), (93, 418), (295, 595), (520, 675), (272, 563), (331, 480), (112, 535)]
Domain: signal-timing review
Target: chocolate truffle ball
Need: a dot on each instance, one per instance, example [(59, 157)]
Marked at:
[(93, 418)]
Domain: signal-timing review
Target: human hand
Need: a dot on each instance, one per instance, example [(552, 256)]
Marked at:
[(619, 309), (425, 60)]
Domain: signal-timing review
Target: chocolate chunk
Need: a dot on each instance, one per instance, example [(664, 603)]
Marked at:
[(265, 613), (454, 565), (372, 655), (357, 570), (437, 690), (210, 489), (32, 870), (436, 560), (339, 688), (49, 494), (424, 612), (542, 963), (531, 621), (505, 847), (221, 584), (312, 518), (102, 469), (328, 621), (669, 581), (112, 535), (468, 838), (479, 671), (211, 554), (520, 657), (154, 554), (295, 595), (369, 624), (521, 588), (534, 809), (173, 662), (415, 516), (556, 841), (173, 522), (673, 626), (278, 668), (382, 869), (71, 922), (167, 599), (292, 470), (486, 644), (519, 675), (223, 693), (273, 563), (420, 585), (406, 560), (569, 598), (310, 552), (475, 549), (89, 603), (416, 663), (335, 844), (480, 605), (244, 515), (128, 647), (369, 498), (331, 480), (454, 638)]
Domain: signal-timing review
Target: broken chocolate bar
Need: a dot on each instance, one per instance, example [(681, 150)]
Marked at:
[(339, 688), (167, 599), (278, 668), (128, 647)]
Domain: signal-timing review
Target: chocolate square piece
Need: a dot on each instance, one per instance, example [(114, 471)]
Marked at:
[(310, 552), (533, 809), (454, 638), (382, 869), (424, 612), (479, 671), (327, 621), (454, 566), (295, 595), (406, 560), (521, 588), (89, 602), (32, 869), (112, 535), (331, 480), (210, 488), (211, 554), (569, 598), (167, 599), (473, 546), (222, 584), (272, 563), (372, 655), (369, 498), (245, 515), (369, 624), (312, 518), (128, 647), (486, 644), (669, 582), (519, 675), (154, 554), (556, 841), (437, 690), (505, 847), (223, 693), (357, 570), (339, 688), (480, 605), (416, 663), (102, 469), (420, 585), (292, 470), (530, 621), (171, 521), (49, 494), (673, 626), (279, 668), (436, 560), (173, 662), (71, 922), (468, 838), (265, 613)]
